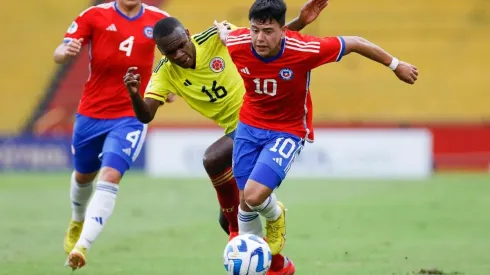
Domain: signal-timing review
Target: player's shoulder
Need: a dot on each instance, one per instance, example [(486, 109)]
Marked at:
[(239, 32), (163, 66), (97, 9), (208, 38), (240, 36), (301, 43), (152, 10)]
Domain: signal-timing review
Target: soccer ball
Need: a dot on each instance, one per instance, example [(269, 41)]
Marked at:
[(247, 254)]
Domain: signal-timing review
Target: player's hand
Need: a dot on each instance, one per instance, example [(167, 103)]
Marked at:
[(406, 72), (73, 47), (132, 81), (311, 10), (222, 30)]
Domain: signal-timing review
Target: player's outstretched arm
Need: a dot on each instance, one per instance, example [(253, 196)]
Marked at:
[(403, 70), (66, 51), (144, 109), (309, 12)]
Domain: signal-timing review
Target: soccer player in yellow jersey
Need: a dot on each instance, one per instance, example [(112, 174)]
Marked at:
[(199, 69)]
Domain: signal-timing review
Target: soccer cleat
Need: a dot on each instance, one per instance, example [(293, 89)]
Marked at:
[(76, 258), (276, 232), (72, 235), (288, 270), (232, 235)]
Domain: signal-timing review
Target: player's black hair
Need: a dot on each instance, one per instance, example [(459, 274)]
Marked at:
[(166, 26), (268, 10)]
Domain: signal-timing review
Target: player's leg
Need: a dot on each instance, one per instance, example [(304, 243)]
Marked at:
[(272, 166), (87, 144), (246, 151), (121, 148), (217, 162)]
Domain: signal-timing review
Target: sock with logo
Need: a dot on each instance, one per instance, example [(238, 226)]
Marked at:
[(79, 196), (227, 192), (99, 210)]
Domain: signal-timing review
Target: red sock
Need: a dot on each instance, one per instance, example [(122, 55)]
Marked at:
[(277, 262), (228, 198)]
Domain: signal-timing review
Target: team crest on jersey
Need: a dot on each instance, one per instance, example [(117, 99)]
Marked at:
[(73, 28), (286, 74), (148, 31), (217, 64)]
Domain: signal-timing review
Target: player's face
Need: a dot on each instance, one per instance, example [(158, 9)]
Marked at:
[(266, 37), (178, 48)]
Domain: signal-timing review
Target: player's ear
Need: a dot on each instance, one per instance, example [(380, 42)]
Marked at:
[(283, 30), (187, 32)]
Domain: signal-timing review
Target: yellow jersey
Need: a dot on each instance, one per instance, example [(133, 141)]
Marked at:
[(214, 88)]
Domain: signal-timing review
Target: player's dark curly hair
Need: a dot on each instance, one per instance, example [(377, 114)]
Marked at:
[(267, 11), (165, 27)]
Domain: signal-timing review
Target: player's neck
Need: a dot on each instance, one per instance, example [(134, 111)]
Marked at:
[(274, 52), (129, 11)]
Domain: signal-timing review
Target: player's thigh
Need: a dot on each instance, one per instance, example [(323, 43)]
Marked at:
[(123, 144), (87, 142), (276, 159), (247, 145)]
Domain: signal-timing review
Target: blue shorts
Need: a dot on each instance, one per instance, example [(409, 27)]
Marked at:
[(115, 143), (263, 155)]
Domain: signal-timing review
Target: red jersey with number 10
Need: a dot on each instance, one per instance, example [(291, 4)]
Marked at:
[(277, 88), (116, 42)]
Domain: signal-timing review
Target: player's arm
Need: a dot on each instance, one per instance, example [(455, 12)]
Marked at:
[(309, 12), (403, 70), (76, 36), (332, 49), (145, 109)]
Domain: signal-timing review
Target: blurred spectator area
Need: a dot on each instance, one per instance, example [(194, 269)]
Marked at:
[(448, 41)]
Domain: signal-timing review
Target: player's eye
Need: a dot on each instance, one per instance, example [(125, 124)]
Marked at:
[(255, 31)]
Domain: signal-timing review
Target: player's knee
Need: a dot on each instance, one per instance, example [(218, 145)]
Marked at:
[(212, 162), (85, 178), (110, 174), (255, 193)]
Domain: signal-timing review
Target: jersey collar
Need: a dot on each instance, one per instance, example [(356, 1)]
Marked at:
[(272, 58), (140, 13)]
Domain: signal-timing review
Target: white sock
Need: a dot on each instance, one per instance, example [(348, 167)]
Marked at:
[(79, 196), (269, 209), (99, 210), (249, 223)]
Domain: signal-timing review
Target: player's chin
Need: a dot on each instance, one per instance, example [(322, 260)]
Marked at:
[(262, 51)]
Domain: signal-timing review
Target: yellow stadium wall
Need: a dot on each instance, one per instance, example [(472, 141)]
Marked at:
[(31, 30), (447, 40)]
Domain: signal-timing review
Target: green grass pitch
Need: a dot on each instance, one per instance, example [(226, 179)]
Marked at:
[(341, 227)]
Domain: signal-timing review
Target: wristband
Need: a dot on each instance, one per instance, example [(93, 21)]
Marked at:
[(394, 64)]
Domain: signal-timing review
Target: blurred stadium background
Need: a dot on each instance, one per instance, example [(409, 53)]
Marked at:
[(398, 175)]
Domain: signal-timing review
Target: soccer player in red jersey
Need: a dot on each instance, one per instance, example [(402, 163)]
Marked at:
[(106, 136), (276, 117)]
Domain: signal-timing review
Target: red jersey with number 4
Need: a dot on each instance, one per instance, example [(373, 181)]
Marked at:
[(277, 88), (116, 42)]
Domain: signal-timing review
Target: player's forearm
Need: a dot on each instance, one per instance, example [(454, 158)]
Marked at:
[(367, 49), (296, 24), (141, 109), (60, 56)]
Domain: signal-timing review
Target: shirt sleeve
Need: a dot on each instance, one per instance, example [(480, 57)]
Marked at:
[(160, 84), (327, 50), (81, 27)]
